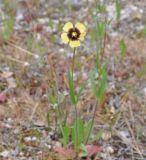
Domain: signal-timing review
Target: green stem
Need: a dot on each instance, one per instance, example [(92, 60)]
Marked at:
[(73, 63), (75, 105), (93, 118)]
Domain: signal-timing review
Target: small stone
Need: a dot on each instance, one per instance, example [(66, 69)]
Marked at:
[(8, 126), (27, 139), (49, 146), (9, 120), (51, 133), (103, 155), (61, 50), (109, 149), (144, 91), (21, 154), (36, 56), (106, 136), (5, 153), (57, 144), (34, 138), (26, 64), (84, 76), (124, 134), (112, 110), (65, 93), (145, 118), (39, 153)]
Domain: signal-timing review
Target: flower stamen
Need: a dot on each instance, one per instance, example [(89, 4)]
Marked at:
[(74, 34)]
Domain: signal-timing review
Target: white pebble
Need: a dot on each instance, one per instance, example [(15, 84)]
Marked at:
[(144, 90), (5, 153), (109, 149), (34, 138), (26, 64), (36, 56), (27, 139)]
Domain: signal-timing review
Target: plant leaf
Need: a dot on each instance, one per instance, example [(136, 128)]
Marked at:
[(65, 152), (71, 88), (93, 149), (122, 48), (8, 28), (66, 133), (88, 128), (78, 133), (118, 9)]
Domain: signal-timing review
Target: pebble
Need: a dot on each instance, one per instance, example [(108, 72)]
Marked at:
[(145, 118), (84, 76), (57, 144), (5, 153), (9, 120), (109, 149), (27, 139), (61, 50), (106, 136), (26, 64), (49, 146), (34, 138), (65, 93), (144, 91), (21, 154), (36, 56)]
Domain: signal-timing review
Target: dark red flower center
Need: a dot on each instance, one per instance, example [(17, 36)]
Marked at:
[(73, 34)]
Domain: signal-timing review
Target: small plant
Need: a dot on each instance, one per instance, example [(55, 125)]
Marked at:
[(73, 35), (79, 133)]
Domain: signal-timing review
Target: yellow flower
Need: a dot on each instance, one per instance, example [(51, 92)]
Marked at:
[(72, 35)]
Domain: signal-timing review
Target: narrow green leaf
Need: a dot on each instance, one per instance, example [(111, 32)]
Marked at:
[(144, 31), (118, 9), (66, 133), (101, 29), (8, 28), (92, 82), (80, 92), (52, 99), (142, 71), (101, 8), (30, 42), (102, 84), (71, 88), (48, 119), (88, 128), (78, 133), (122, 48), (100, 89)]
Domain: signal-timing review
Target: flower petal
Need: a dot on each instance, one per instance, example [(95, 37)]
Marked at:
[(74, 44), (82, 35), (80, 27), (64, 38), (67, 26)]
